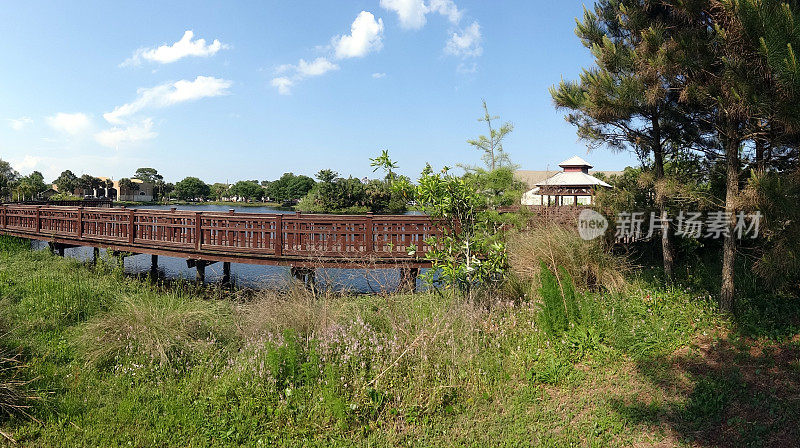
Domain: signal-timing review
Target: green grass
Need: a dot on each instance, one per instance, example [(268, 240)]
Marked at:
[(118, 362)]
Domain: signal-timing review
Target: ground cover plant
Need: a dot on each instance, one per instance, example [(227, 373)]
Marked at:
[(107, 360)]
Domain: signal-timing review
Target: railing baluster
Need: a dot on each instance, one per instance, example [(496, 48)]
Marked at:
[(80, 222), (198, 231), (278, 235), (131, 226), (369, 242)]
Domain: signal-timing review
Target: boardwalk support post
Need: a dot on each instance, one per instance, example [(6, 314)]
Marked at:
[(120, 256), (408, 279), (57, 249), (278, 235), (305, 275), (200, 276), (226, 273), (153, 267), (95, 255)]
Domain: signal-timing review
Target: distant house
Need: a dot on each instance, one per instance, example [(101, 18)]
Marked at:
[(574, 185), (142, 192), (49, 193)]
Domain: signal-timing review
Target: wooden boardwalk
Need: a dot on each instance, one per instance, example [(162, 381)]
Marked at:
[(296, 240)]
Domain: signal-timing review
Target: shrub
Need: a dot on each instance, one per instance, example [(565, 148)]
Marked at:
[(559, 308), (588, 263)]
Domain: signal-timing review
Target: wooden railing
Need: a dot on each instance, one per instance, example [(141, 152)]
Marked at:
[(264, 238)]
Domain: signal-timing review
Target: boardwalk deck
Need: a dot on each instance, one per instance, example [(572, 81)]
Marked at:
[(297, 240)]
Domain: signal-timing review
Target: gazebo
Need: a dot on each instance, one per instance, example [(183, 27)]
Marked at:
[(572, 186)]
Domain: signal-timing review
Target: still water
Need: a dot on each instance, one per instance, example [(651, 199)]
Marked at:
[(247, 275)]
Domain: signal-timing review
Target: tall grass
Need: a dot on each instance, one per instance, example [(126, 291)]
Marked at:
[(164, 329), (590, 265), (123, 362)]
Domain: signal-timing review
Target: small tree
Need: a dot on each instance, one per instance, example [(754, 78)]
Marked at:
[(191, 189), (468, 253), (249, 190), (219, 191), (66, 182), (8, 178), (89, 183), (327, 176), (127, 186), (492, 145), (29, 187), (148, 175), (385, 163)]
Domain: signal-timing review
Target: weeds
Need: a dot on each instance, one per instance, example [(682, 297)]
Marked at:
[(164, 329), (589, 264), (129, 363)]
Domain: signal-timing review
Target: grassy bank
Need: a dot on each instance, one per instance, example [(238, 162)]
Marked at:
[(113, 361)]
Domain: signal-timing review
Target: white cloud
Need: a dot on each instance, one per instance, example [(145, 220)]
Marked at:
[(283, 84), (134, 133), (168, 94), (467, 43), (413, 13), (446, 8), (467, 68), (185, 47), (72, 124), (303, 70), (410, 12), (27, 164), (317, 67), (20, 123), (365, 36), (379, 75)]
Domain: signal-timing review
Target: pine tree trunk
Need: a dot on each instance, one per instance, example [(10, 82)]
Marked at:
[(727, 297), (760, 162), (666, 242)]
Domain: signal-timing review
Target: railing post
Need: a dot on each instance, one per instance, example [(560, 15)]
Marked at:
[(4, 218), (80, 222), (369, 239), (198, 230), (38, 222), (131, 226), (278, 235)]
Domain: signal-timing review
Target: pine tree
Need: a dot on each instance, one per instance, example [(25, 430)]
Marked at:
[(629, 100), (740, 76)]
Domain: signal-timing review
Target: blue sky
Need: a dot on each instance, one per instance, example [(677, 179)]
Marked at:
[(257, 89)]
